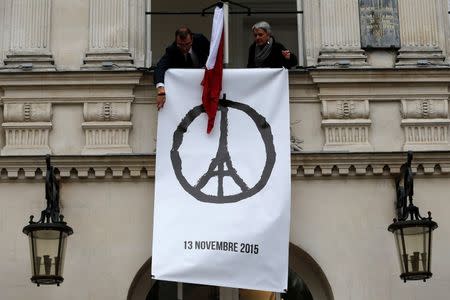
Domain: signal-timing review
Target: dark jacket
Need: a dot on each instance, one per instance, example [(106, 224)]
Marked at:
[(173, 58), (275, 58)]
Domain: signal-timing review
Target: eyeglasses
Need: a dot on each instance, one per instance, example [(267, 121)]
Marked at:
[(184, 45)]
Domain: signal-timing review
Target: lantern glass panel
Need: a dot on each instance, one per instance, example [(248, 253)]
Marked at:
[(413, 248), (47, 252), (398, 243)]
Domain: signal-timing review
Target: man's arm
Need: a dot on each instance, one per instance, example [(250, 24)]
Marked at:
[(161, 67), (158, 78)]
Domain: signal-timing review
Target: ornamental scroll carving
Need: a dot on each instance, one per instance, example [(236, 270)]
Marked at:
[(107, 111), (425, 124), (346, 125), (26, 112), (107, 127), (345, 109), (27, 127), (424, 109)]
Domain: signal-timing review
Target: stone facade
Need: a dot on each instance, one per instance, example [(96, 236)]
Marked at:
[(70, 86)]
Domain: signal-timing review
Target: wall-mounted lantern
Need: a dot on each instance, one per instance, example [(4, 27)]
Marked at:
[(413, 237), (48, 236)]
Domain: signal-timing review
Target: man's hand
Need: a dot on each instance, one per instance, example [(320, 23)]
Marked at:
[(286, 54), (160, 97)]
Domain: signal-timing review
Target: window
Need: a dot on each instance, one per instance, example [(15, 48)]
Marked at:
[(240, 37), (164, 290)]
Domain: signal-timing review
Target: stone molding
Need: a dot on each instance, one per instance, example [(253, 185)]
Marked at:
[(346, 124), (74, 78), (27, 127), (311, 20), (340, 37), (301, 77), (362, 165), (106, 137), (27, 112), (26, 138), (107, 111), (5, 24), (79, 167), (30, 36), (341, 109), (424, 109), (425, 123), (303, 166), (116, 31), (390, 76), (421, 32), (107, 127)]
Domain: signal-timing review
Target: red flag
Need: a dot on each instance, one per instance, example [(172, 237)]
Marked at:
[(212, 80)]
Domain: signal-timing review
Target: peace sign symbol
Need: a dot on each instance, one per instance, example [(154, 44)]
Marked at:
[(222, 159)]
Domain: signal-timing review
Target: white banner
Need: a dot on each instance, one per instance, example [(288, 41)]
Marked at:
[(222, 201)]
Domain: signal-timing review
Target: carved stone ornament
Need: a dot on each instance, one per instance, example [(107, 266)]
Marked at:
[(345, 109), (26, 112), (425, 123), (27, 127), (346, 125), (107, 111), (424, 109), (26, 138), (107, 127)]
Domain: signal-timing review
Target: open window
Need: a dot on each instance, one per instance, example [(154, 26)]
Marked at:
[(281, 17)]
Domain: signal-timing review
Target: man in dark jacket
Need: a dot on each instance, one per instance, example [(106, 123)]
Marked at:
[(189, 50), (265, 52)]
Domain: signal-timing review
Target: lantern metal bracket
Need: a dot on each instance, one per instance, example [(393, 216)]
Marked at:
[(405, 193), (51, 214)]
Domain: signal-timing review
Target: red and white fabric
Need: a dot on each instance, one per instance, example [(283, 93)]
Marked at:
[(212, 79)]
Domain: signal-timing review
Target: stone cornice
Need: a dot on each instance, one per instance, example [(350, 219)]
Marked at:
[(371, 75), (303, 166), (296, 77), (66, 100), (79, 167), (306, 85), (76, 78), (311, 165)]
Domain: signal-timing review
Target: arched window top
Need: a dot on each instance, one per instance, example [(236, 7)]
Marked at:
[(307, 281)]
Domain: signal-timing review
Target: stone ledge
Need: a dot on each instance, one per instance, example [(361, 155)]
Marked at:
[(386, 164), (72, 78), (79, 167), (304, 166)]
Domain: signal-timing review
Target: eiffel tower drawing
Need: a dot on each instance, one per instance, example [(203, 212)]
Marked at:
[(221, 165)]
